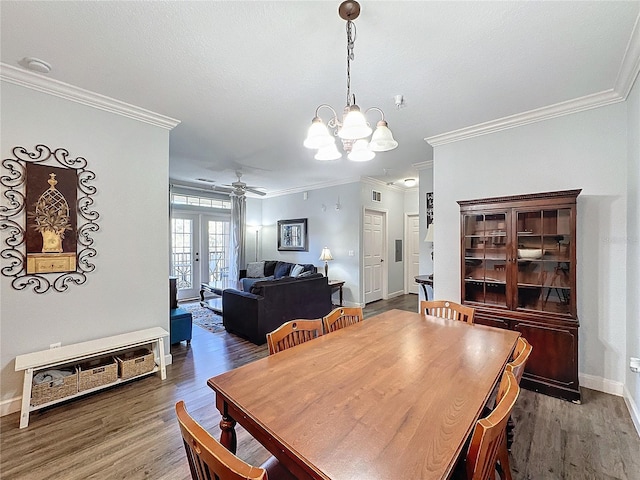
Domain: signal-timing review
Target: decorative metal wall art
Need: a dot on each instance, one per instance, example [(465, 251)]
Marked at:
[(46, 211)]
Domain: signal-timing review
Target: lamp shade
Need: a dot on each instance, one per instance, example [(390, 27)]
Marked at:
[(354, 125), (318, 136), (329, 152), (429, 237), (382, 139), (326, 254), (360, 151)]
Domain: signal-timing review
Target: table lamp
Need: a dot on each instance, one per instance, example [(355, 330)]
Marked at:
[(326, 256)]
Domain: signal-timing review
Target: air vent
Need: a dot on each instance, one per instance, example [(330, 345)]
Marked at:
[(376, 196)]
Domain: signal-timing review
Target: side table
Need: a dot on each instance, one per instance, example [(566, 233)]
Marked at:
[(336, 285)]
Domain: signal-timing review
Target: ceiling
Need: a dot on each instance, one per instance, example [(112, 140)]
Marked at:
[(245, 78)]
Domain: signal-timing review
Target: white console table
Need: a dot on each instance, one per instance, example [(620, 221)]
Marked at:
[(33, 362)]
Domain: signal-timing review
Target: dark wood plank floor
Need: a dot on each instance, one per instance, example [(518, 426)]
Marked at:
[(130, 432)]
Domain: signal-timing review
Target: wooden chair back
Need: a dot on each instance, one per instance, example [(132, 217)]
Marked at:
[(208, 459), (489, 434), (447, 309), (342, 317), (293, 333), (521, 355)]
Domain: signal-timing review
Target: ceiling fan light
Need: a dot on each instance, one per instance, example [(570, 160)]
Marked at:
[(382, 139), (318, 136), (329, 152), (354, 125), (361, 152)]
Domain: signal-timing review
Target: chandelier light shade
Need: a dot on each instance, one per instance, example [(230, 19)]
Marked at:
[(361, 151), (353, 128), (329, 152)]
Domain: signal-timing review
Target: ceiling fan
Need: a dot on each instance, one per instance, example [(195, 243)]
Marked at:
[(238, 187)]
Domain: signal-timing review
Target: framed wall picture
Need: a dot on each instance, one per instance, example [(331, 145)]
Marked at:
[(292, 235)]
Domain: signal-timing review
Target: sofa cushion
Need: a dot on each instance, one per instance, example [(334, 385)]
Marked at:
[(247, 282), (255, 270), (282, 269), (296, 270)]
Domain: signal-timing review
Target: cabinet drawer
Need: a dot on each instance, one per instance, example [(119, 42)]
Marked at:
[(51, 263)]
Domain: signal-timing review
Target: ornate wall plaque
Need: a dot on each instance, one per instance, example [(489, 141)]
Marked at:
[(46, 211)]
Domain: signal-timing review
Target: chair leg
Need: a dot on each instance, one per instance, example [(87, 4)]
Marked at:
[(504, 469)]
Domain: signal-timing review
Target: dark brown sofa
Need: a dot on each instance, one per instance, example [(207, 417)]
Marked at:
[(271, 303)]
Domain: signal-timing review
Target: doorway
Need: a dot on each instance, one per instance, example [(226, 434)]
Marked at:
[(374, 234), (199, 251)]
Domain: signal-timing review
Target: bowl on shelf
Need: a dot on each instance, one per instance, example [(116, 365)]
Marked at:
[(530, 253)]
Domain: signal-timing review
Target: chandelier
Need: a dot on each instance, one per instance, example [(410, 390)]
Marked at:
[(353, 128)]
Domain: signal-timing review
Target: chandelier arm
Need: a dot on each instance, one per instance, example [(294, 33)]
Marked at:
[(377, 109), (335, 115)]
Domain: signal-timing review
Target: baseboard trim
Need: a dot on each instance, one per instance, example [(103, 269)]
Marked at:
[(14, 405), (399, 293), (601, 384), (633, 409)]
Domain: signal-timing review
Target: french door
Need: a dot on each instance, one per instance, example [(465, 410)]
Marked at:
[(199, 251)]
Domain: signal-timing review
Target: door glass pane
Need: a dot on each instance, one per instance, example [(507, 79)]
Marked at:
[(485, 258), (218, 242), (543, 260), (182, 252)]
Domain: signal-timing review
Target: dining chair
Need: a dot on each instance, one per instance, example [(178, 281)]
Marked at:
[(482, 458), (342, 317), (209, 460), (293, 333), (447, 309), (519, 358)]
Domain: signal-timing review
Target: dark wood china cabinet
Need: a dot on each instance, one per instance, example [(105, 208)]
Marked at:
[(519, 272)]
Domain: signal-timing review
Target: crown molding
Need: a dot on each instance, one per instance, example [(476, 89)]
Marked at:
[(545, 113), (423, 165), (629, 70), (381, 183), (315, 186), (40, 83), (630, 63)]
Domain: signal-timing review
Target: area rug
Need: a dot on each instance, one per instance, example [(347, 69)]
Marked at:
[(203, 317)]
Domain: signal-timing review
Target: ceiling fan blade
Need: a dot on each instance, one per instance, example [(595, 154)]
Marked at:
[(218, 188), (253, 190)]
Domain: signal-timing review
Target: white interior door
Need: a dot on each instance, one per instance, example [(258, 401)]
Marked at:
[(185, 254), (373, 248), (412, 256)]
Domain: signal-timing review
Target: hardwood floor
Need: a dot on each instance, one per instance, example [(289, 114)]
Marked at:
[(130, 432)]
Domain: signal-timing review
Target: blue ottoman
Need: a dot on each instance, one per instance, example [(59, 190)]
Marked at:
[(180, 325)]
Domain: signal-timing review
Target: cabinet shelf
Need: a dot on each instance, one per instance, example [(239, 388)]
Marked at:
[(534, 296)]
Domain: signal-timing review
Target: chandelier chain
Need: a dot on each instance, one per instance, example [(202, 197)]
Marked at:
[(351, 27)]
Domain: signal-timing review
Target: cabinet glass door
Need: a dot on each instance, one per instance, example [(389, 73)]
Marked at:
[(485, 257), (544, 266)]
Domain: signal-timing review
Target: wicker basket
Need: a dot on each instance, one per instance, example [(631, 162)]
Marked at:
[(47, 392), (135, 362), (96, 373)]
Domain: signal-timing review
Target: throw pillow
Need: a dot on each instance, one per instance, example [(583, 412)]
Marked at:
[(255, 269), (282, 269), (306, 273), (296, 270)]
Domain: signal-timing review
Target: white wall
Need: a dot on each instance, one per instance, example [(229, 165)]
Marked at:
[(632, 382), (585, 150), (129, 288), (327, 227)]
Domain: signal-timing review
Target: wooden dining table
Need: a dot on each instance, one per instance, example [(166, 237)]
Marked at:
[(392, 397)]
